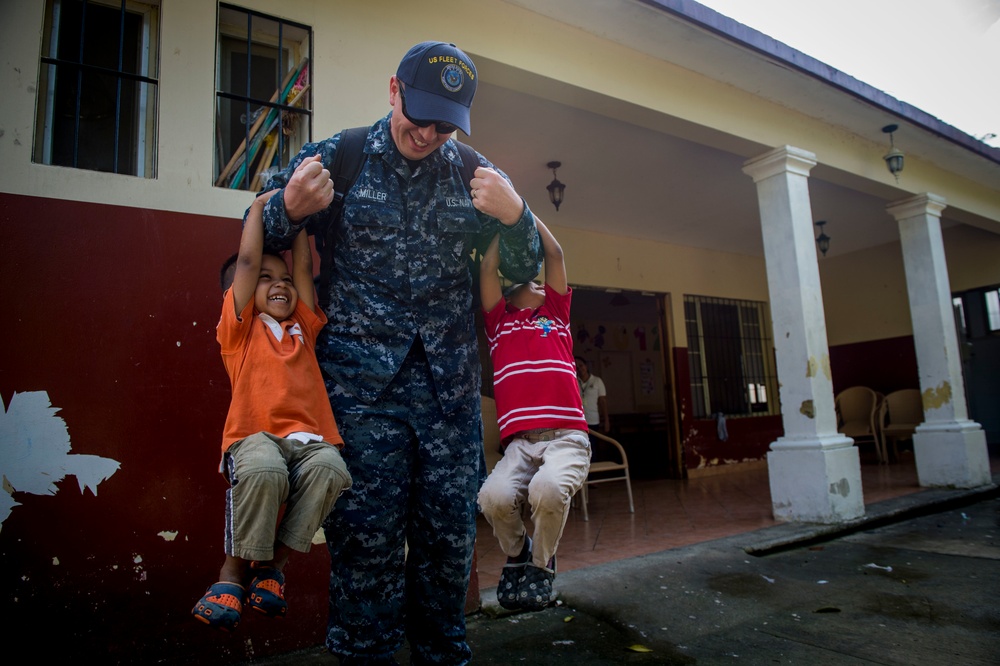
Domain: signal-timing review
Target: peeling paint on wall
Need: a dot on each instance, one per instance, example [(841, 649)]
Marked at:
[(938, 397), (808, 409), (814, 367), (167, 536), (842, 488), (35, 452)]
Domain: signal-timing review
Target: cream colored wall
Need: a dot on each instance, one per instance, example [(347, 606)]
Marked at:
[(601, 260), (864, 293), (864, 296), (973, 257)]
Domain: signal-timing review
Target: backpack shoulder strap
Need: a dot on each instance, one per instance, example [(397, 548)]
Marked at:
[(344, 171), (470, 162), (347, 163)]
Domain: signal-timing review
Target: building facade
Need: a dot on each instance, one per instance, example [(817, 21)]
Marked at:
[(698, 156)]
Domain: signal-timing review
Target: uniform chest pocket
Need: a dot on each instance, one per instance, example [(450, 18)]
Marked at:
[(369, 236), (457, 230), (371, 221)]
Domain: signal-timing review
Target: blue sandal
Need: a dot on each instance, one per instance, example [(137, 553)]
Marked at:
[(221, 606), (267, 592), (536, 591), (511, 577)]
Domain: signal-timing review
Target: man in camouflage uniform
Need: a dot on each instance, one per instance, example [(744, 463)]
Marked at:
[(401, 358)]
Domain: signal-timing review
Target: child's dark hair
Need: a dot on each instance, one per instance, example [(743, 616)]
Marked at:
[(226, 272), (228, 267)]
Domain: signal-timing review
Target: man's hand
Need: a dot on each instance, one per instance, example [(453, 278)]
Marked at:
[(309, 190), (494, 196)]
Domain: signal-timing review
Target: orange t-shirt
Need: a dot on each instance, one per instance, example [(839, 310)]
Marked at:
[(277, 385)]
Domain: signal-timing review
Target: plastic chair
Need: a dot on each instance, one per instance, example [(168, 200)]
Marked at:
[(604, 466), (857, 411), (899, 415)]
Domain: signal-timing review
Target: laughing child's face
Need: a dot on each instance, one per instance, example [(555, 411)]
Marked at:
[(527, 295), (275, 294)]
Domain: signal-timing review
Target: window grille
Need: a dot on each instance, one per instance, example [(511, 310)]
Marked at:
[(730, 357), (263, 98), (97, 92)]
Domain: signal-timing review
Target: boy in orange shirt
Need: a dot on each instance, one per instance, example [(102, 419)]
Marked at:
[(281, 444)]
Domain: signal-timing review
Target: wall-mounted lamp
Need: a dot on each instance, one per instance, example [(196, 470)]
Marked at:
[(893, 158), (822, 241), (555, 188)]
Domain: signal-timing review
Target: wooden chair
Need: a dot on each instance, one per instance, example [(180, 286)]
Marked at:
[(898, 417), (602, 467), (857, 413)]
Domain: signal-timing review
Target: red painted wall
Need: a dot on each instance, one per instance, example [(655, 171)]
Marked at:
[(112, 311), (881, 365)]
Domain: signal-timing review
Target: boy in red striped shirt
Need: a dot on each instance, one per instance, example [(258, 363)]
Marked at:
[(542, 425)]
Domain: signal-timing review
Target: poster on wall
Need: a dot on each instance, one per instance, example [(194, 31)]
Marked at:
[(648, 376), (627, 357)]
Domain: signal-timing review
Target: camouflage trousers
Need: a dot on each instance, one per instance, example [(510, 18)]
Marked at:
[(416, 474)]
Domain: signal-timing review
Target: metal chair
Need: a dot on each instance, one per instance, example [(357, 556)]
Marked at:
[(604, 466)]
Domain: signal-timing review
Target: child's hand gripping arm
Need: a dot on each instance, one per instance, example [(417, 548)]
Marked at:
[(490, 291), (555, 265), (251, 248)]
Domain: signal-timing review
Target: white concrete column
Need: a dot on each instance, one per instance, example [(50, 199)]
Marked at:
[(950, 449), (814, 471)]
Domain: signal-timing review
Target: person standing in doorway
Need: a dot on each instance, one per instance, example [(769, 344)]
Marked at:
[(595, 405)]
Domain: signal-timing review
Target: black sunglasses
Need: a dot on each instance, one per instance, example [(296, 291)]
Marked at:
[(439, 126)]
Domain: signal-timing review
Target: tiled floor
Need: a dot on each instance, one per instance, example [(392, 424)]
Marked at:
[(669, 514)]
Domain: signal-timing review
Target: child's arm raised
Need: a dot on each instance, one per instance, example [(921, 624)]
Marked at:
[(555, 265), (251, 248), (490, 291), (302, 270)]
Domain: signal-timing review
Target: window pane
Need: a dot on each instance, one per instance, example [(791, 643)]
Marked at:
[(263, 109), (97, 95), (993, 309), (730, 357)]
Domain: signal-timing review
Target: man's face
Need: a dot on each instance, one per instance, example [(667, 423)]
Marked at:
[(275, 294), (581, 370), (413, 142)]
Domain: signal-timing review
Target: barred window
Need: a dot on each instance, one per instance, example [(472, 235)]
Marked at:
[(263, 99), (730, 357), (97, 88)]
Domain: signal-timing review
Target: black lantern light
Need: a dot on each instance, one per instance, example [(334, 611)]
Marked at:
[(893, 158), (555, 188), (822, 241)]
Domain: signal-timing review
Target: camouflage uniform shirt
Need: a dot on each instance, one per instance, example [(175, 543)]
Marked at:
[(401, 266)]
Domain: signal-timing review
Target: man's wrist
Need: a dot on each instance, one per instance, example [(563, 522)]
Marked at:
[(524, 218)]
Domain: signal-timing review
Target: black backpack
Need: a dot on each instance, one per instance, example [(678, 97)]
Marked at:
[(346, 167)]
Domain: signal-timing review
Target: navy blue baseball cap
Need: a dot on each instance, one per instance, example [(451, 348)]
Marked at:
[(440, 82)]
